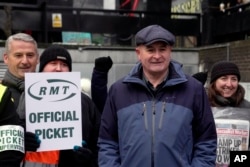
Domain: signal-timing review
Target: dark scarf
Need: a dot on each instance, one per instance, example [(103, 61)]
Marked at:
[(13, 82), (222, 101)]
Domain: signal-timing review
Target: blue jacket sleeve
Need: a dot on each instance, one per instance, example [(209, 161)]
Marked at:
[(108, 137), (99, 88), (205, 137)]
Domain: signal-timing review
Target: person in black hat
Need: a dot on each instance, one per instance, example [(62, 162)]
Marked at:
[(227, 101), (201, 76), (224, 89), (156, 115), (55, 53), (57, 59)]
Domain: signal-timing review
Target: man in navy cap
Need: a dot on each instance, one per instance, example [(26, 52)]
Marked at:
[(157, 116)]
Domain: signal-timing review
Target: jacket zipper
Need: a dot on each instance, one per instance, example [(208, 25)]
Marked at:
[(153, 132), (144, 113), (162, 114)]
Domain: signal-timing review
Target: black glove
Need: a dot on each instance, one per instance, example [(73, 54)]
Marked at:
[(83, 155), (103, 64), (32, 142)]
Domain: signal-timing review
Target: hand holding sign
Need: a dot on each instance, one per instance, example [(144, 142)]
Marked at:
[(83, 155), (32, 142)]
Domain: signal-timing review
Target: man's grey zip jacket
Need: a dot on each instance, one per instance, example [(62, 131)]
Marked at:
[(173, 128)]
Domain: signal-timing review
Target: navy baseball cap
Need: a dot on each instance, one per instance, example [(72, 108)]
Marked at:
[(154, 33)]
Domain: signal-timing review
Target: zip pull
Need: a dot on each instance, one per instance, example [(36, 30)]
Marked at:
[(163, 110), (143, 109), (153, 108), (144, 113)]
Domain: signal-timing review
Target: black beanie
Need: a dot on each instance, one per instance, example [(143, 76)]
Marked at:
[(55, 52), (201, 76), (224, 68)]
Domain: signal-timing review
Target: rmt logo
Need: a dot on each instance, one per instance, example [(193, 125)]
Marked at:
[(52, 90)]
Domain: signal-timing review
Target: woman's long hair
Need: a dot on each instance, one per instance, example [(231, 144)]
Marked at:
[(216, 100)]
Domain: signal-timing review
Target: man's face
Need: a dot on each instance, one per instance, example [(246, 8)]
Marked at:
[(22, 57), (56, 66), (155, 58)]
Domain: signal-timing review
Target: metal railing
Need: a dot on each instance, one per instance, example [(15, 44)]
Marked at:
[(37, 18)]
